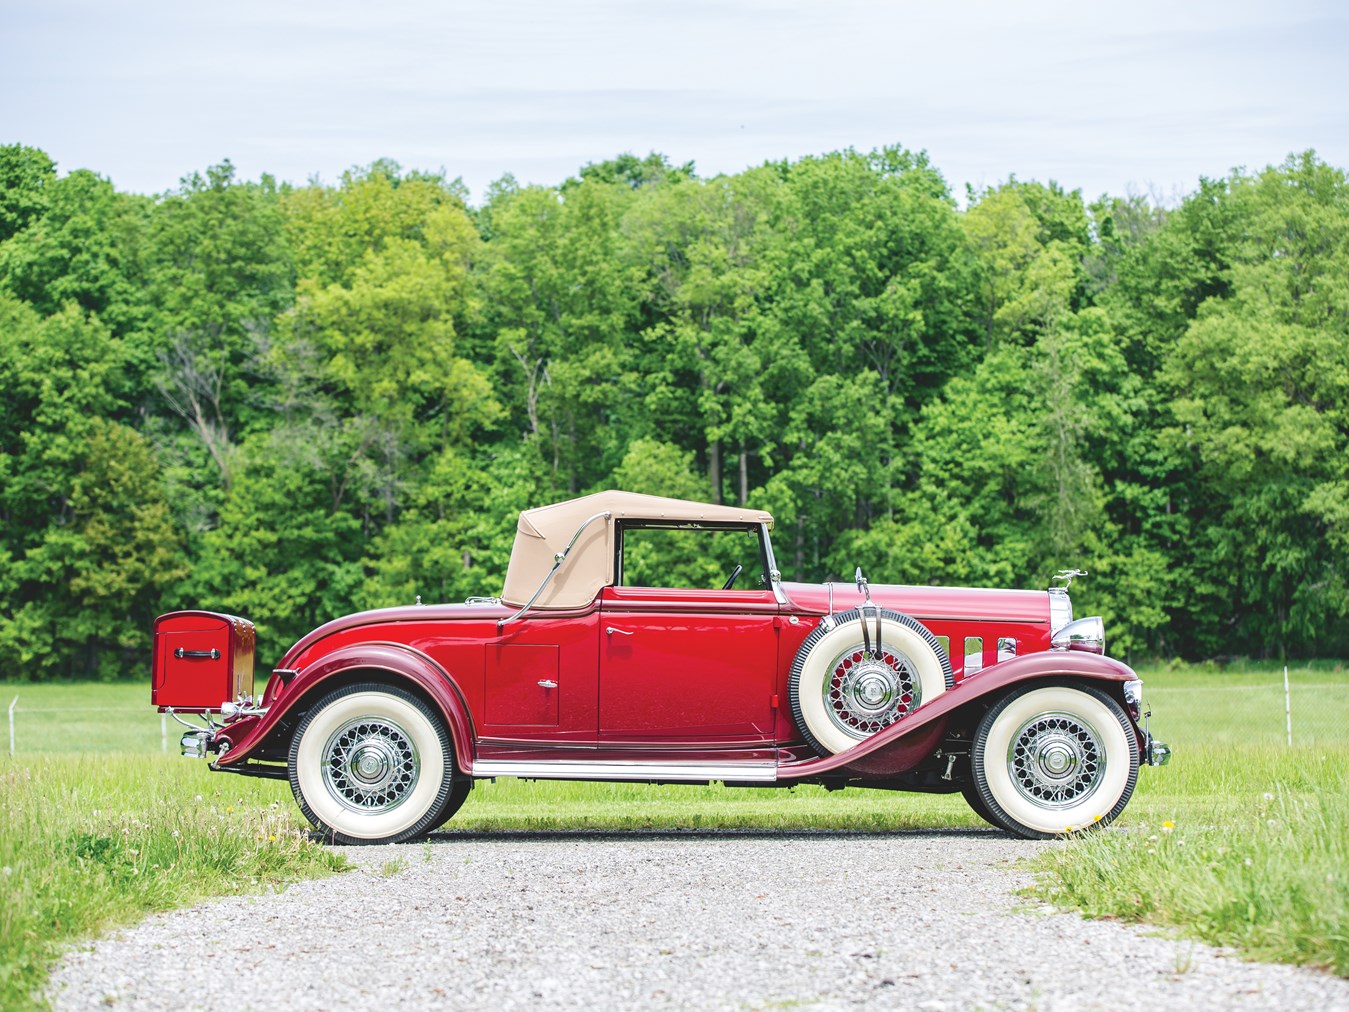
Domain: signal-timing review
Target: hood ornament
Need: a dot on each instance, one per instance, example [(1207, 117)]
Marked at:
[(1067, 576)]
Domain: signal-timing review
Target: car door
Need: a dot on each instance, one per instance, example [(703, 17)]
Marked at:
[(540, 681), (687, 665)]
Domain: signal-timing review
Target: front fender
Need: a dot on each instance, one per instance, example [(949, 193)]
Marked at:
[(923, 727), (397, 663)]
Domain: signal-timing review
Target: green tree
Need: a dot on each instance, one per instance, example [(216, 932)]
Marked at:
[(1261, 383), (84, 248), (88, 543), (558, 303), (26, 174)]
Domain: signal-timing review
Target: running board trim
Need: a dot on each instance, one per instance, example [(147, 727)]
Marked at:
[(766, 772)]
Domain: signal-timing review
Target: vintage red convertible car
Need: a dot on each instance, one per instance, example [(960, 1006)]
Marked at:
[(653, 640)]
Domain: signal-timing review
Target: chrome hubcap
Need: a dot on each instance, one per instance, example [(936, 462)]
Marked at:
[(866, 692), (1056, 760), (370, 765)]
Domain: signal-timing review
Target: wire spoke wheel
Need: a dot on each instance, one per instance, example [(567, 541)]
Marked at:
[(1055, 758), (372, 763), (866, 692), (845, 686)]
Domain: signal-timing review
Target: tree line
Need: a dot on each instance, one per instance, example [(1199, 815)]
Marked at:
[(289, 402)]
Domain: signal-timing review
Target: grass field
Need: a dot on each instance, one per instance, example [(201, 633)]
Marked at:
[(1241, 840)]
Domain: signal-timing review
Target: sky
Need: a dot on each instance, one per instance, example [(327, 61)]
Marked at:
[(1141, 97)]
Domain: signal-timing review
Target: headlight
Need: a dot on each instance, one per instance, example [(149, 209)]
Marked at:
[(1085, 634)]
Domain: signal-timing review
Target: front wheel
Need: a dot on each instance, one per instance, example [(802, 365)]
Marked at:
[(371, 763), (1052, 759), (971, 795)]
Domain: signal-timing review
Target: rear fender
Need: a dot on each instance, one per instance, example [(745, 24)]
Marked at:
[(393, 663), (921, 731)]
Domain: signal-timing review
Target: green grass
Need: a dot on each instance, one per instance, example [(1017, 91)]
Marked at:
[(91, 806), (1241, 840), (90, 842)]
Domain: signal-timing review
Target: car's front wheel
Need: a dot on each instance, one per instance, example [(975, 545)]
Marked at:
[(1054, 759), (371, 763)]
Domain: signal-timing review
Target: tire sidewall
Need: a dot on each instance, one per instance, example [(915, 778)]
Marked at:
[(993, 779), (414, 815), (815, 659)]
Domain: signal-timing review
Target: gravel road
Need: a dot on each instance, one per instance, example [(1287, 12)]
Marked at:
[(698, 920)]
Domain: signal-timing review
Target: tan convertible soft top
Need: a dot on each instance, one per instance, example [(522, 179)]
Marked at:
[(546, 530)]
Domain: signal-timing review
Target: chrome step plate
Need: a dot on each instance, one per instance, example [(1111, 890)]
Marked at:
[(613, 770)]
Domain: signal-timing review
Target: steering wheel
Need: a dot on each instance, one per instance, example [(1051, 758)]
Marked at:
[(730, 580)]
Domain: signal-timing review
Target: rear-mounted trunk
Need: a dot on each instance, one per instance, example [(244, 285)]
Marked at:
[(201, 660)]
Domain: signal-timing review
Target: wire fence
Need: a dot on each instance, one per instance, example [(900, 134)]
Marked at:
[(1310, 707), (87, 728)]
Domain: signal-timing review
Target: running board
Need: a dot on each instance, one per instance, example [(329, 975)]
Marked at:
[(760, 772)]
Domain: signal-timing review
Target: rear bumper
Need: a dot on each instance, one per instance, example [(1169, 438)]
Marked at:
[(195, 744)]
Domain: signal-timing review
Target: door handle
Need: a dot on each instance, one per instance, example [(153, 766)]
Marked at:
[(547, 683), (610, 630)]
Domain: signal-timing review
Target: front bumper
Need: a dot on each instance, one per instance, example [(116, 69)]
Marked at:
[(1157, 753)]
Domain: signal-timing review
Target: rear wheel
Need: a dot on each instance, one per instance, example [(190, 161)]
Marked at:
[(1054, 759), (370, 763)]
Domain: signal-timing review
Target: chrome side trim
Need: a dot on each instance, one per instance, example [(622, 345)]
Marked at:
[(766, 772), (558, 559)]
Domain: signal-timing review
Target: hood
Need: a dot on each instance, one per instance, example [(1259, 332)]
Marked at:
[(965, 604)]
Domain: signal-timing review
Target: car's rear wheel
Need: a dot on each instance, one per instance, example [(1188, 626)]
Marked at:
[(371, 763), (1054, 759), (847, 684)]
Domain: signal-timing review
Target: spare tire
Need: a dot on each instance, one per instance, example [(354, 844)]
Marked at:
[(842, 693)]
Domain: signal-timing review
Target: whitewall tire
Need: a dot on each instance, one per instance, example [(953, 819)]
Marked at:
[(371, 763), (1054, 759), (841, 692)]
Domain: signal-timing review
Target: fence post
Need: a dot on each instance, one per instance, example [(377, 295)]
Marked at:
[(11, 723), (1287, 706)]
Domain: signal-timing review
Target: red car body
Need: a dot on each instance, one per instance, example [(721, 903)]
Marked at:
[(657, 684)]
